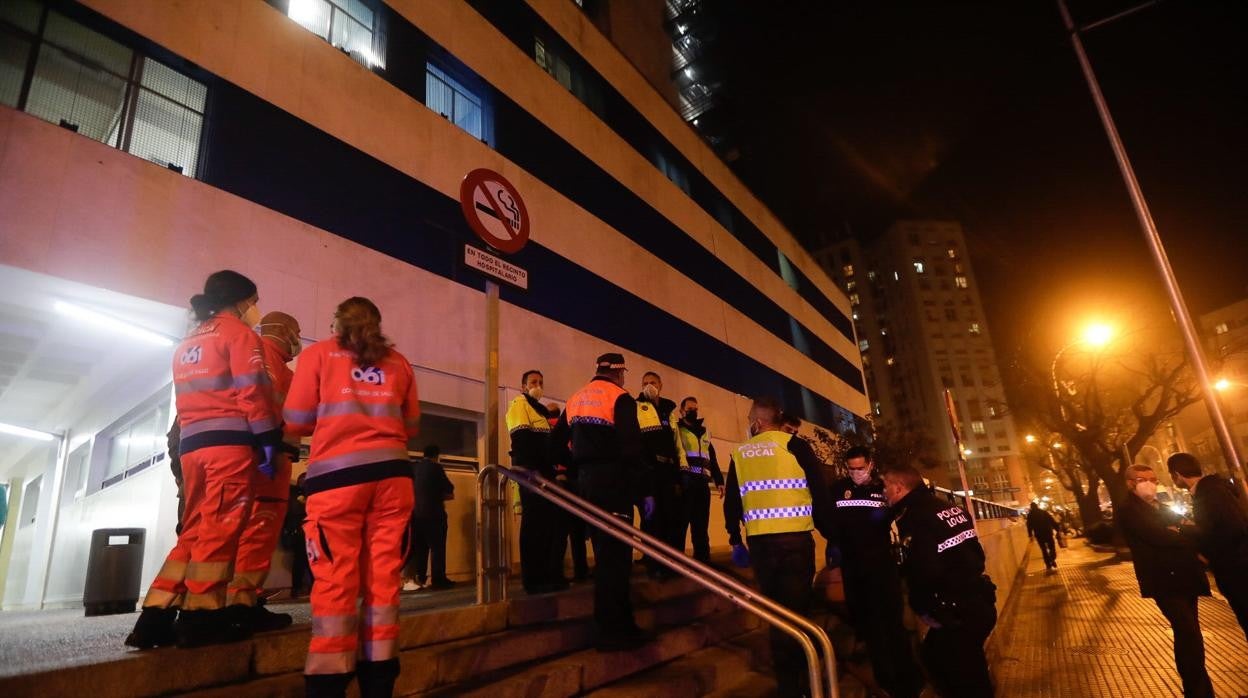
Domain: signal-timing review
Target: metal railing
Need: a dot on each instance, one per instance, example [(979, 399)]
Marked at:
[(492, 568), (984, 509)]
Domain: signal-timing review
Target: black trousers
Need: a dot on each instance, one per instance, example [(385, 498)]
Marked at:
[(1234, 586), (666, 522), (784, 565), (608, 486), (695, 510), (428, 548), (541, 541), (954, 653), (1048, 549), (1189, 644), (873, 594), (577, 536)]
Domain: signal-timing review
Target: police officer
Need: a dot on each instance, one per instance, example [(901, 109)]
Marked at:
[(862, 548), (1220, 530), (698, 469), (944, 571), (659, 448), (600, 423), (776, 487), (529, 424)]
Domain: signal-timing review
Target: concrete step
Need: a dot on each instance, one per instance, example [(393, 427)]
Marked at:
[(752, 685)]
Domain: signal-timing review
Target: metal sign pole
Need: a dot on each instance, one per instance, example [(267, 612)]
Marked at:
[(1181, 315), (957, 445), (495, 557)]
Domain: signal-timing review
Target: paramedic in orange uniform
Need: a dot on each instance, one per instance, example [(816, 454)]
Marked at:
[(279, 337), (229, 429), (356, 396)]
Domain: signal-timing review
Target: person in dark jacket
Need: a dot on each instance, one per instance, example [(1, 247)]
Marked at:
[(599, 423), (432, 489), (862, 546), (944, 571), (659, 446), (1221, 528), (541, 523), (577, 535), (1041, 526), (1169, 573), (698, 470)]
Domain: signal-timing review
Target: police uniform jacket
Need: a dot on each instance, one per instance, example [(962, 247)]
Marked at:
[(1165, 561), (820, 506), (862, 533), (659, 444), (1221, 516), (705, 462), (944, 562), (528, 423), (606, 435)]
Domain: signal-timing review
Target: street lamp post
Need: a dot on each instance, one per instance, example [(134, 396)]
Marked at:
[(1153, 239)]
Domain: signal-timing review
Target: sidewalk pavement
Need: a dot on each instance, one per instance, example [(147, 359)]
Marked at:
[(1084, 631)]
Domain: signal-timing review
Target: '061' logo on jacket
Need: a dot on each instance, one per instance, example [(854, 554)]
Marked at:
[(371, 375), (192, 355)]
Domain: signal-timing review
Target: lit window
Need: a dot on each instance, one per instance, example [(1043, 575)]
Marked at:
[(975, 331), (848, 270), (896, 276), (99, 88), (350, 25), (890, 361), (855, 314), (871, 275), (978, 428), (992, 411), (953, 254), (851, 285), (863, 345), (876, 408), (853, 299), (1221, 328), (959, 281), (136, 442), (446, 96), (883, 331), (919, 266)]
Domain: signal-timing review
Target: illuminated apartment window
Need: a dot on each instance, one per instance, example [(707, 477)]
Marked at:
[(863, 345), (849, 286), (350, 25), (890, 361), (448, 97), (871, 275), (848, 270), (919, 265), (975, 330), (953, 253), (854, 299), (978, 428), (959, 281), (99, 88), (1221, 328)]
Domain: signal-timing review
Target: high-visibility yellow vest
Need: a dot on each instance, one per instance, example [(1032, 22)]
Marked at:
[(697, 450), (521, 415), (775, 497)]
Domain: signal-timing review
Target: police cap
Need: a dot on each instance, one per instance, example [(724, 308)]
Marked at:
[(610, 361)]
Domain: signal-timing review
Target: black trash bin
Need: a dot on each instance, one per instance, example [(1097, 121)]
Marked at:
[(114, 567)]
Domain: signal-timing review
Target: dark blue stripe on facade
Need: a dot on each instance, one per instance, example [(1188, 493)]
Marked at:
[(263, 154), (526, 141), (520, 23), (267, 156)]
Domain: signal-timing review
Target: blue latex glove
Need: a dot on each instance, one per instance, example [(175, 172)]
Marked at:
[(268, 457), (647, 508), (832, 557), (740, 556)]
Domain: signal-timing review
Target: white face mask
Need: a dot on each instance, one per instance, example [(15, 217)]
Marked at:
[(535, 393), (251, 316), (861, 476), (651, 391), (1146, 490)]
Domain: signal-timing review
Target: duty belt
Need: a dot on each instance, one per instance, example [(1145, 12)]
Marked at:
[(665, 459), (696, 470)]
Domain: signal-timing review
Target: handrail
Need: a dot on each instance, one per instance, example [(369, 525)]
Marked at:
[(701, 573)]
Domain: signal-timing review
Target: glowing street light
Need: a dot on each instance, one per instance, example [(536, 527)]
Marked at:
[(1098, 334), (1030, 438), (1222, 385)]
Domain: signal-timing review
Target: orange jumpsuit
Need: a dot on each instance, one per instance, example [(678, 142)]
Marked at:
[(359, 498), (225, 409), (259, 540)]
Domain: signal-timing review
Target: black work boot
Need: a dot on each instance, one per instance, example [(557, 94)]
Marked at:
[(154, 628), (259, 619), (326, 685), (377, 678), (199, 628)]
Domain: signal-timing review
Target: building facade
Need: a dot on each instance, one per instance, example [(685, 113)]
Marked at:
[(920, 325), (318, 147)]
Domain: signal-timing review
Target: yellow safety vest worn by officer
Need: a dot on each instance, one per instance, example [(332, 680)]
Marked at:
[(652, 424), (522, 416), (697, 451), (775, 497)]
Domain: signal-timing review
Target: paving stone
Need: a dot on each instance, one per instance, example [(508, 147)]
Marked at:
[(1083, 630)]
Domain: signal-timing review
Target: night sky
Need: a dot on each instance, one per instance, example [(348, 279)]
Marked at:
[(862, 113)]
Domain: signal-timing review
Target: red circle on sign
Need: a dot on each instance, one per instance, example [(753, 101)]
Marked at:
[(494, 210)]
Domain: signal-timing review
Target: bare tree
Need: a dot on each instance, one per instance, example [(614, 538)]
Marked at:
[(890, 444), (1105, 409)]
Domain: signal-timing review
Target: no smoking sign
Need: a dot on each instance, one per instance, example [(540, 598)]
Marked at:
[(494, 210)]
